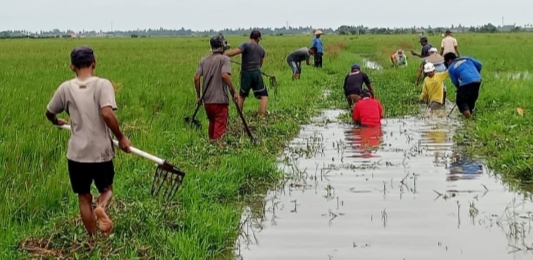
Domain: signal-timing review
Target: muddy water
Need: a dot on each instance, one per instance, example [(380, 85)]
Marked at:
[(413, 196)]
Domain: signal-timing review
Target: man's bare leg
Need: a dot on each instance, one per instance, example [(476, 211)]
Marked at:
[(263, 105), (240, 102), (105, 223), (87, 214)]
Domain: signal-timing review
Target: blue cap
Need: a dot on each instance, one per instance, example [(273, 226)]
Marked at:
[(81, 56), (356, 66)]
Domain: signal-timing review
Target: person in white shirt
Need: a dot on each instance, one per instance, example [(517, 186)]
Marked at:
[(448, 44)]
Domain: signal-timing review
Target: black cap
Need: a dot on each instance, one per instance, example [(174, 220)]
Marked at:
[(365, 93), (82, 56), (423, 39), (255, 34)]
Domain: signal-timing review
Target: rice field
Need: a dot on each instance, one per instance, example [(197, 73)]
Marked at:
[(153, 80)]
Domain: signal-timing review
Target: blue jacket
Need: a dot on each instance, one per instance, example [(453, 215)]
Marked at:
[(464, 70), (317, 42)]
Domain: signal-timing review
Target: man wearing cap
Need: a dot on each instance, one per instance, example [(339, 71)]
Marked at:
[(449, 44), (317, 43), (435, 58), (216, 68), (425, 48), (296, 57), (353, 85), (465, 74), (90, 103), (368, 112), (433, 91), (251, 77)]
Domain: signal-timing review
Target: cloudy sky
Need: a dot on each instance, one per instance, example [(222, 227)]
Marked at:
[(35, 15)]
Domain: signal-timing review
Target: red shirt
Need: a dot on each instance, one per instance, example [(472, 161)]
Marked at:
[(368, 112)]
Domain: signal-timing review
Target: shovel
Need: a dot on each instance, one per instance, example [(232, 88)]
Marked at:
[(192, 119), (167, 177)]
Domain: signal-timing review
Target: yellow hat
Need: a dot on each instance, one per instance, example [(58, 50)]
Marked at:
[(317, 32)]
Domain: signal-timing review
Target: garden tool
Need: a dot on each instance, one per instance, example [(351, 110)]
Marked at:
[(167, 177), (193, 120)]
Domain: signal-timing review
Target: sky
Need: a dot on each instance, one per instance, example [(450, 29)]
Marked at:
[(36, 15)]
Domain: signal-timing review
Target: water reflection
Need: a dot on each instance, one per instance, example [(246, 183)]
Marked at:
[(464, 168), (365, 141)]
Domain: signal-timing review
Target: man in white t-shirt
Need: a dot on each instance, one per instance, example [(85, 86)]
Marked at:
[(90, 103), (448, 44)]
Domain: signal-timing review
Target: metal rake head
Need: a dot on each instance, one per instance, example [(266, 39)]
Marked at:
[(167, 180), (273, 81), (193, 121)]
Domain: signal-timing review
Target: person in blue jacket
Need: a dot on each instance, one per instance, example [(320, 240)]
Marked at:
[(465, 75)]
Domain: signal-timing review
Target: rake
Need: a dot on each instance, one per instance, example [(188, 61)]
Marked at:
[(192, 119), (167, 177), (271, 78)]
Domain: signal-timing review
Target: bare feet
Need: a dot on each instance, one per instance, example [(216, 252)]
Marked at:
[(104, 222)]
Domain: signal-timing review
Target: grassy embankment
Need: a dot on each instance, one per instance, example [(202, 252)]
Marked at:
[(154, 93)]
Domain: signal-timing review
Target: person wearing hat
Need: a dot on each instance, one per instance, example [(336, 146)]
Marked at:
[(465, 74), (353, 85), (449, 44), (425, 48), (252, 58), (317, 43), (90, 103), (295, 58), (398, 58), (433, 57), (216, 68), (368, 112), (433, 91)]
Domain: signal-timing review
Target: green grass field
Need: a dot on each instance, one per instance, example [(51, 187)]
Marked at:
[(155, 92)]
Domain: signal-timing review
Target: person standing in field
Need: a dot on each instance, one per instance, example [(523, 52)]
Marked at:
[(433, 89), (90, 103), (449, 44), (425, 48), (317, 43), (216, 71), (251, 78), (296, 57), (398, 58), (368, 112), (465, 75), (353, 85)]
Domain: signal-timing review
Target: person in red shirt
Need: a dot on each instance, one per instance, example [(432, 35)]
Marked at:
[(368, 111)]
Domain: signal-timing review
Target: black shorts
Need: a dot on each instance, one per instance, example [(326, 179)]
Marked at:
[(82, 175), (467, 96)]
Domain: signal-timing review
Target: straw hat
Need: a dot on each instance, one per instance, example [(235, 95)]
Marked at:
[(317, 32)]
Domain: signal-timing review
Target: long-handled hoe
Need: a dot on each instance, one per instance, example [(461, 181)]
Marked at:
[(192, 119), (167, 177), (239, 111)]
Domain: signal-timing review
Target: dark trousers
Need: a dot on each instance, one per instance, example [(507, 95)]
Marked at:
[(467, 96), (318, 59)]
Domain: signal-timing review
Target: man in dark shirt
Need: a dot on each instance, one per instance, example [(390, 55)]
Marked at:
[(295, 60), (425, 48), (251, 78), (353, 85)]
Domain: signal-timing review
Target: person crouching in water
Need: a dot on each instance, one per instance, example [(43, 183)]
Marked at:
[(368, 112), (216, 68), (398, 58), (353, 85), (433, 89)]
